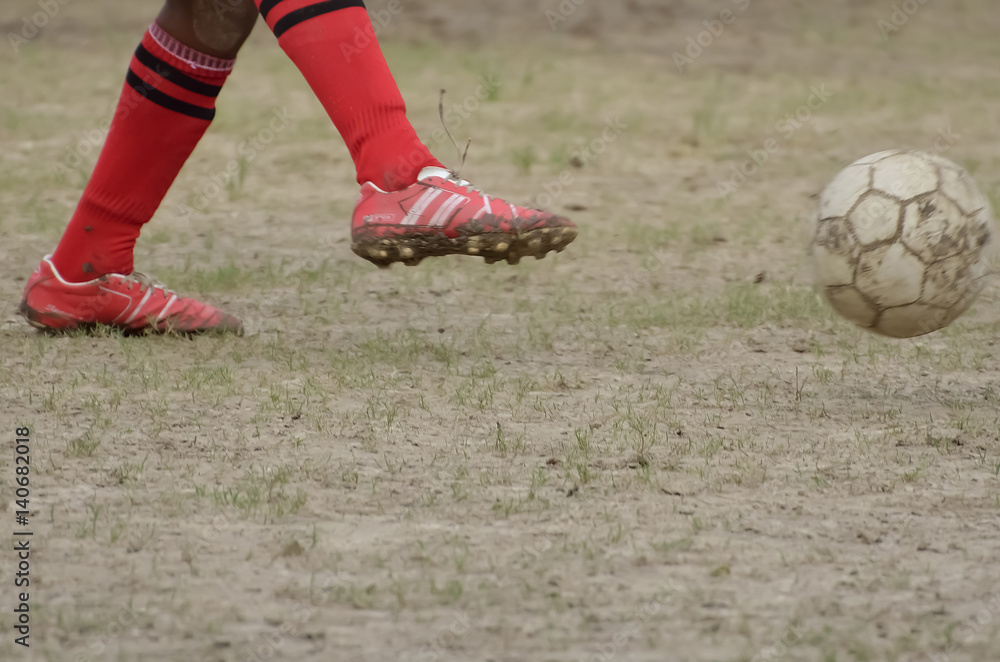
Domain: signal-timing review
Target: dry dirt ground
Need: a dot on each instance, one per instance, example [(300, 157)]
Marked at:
[(658, 445)]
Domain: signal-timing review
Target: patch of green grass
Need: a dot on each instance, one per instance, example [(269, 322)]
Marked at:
[(220, 279), (524, 158), (264, 491), (83, 446)]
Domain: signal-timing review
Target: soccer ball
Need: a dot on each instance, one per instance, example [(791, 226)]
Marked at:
[(902, 242)]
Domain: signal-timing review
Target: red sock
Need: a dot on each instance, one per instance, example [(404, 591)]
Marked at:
[(165, 108), (333, 44)]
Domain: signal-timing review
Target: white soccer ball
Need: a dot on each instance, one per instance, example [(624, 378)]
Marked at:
[(903, 242)]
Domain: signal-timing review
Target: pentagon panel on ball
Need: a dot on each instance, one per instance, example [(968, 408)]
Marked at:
[(902, 242)]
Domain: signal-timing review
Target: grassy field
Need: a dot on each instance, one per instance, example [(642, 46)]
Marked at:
[(658, 445)]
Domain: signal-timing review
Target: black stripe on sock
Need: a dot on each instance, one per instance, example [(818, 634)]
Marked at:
[(174, 75), (167, 101), (266, 6), (293, 18)]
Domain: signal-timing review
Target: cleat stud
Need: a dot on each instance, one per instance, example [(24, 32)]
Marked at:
[(490, 260), (405, 253), (514, 259), (472, 250), (541, 256), (412, 262), (502, 247)]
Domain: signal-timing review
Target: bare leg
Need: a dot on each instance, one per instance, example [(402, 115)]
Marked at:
[(214, 27)]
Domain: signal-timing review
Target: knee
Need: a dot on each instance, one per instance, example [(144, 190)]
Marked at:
[(231, 16), (219, 26), (237, 16)]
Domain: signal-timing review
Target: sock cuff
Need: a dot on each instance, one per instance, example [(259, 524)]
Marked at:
[(283, 15), (194, 59), (163, 71)]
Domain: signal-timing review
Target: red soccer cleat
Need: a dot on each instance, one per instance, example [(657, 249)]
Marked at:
[(132, 303), (443, 215)]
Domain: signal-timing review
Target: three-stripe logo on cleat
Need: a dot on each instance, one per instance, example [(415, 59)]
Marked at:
[(445, 212), (423, 208), (420, 206)]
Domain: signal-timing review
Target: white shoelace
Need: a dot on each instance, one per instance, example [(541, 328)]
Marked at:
[(145, 283), (464, 184)]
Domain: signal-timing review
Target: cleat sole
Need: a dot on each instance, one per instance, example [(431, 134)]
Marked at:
[(412, 249)]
